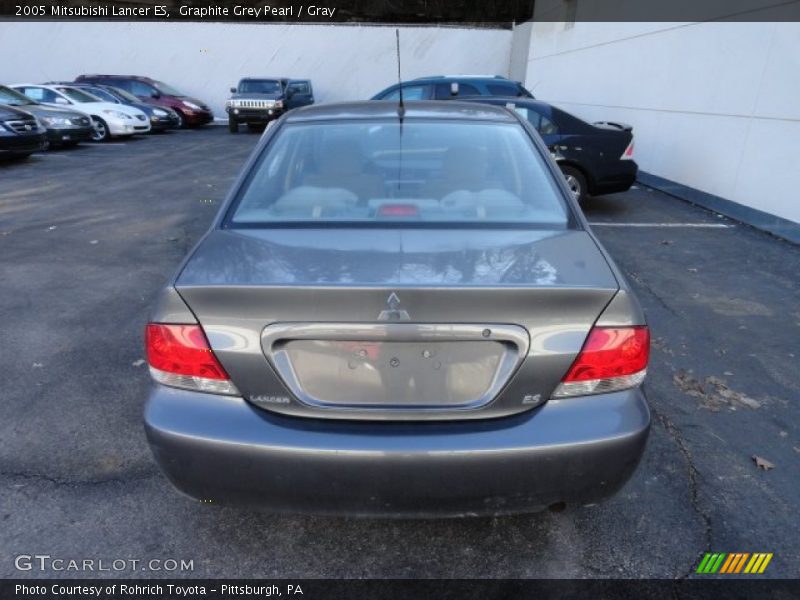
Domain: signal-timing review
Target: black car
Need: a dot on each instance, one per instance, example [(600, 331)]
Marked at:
[(446, 87), (595, 158), (258, 100), (20, 133), (161, 117), (64, 127)]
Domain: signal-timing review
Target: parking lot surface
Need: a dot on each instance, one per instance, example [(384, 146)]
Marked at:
[(88, 236)]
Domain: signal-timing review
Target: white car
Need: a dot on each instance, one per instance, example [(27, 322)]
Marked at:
[(108, 119)]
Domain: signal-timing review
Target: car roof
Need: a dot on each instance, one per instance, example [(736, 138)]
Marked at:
[(429, 109), (265, 78), (41, 85), (141, 77), (464, 77)]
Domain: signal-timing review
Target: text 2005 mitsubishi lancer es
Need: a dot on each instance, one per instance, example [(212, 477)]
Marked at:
[(398, 311)]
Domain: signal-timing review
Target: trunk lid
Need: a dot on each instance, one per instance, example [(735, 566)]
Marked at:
[(396, 323)]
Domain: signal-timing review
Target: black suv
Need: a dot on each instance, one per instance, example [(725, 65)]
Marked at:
[(445, 87), (258, 100), (20, 133)]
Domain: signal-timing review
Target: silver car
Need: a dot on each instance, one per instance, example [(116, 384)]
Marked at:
[(399, 310)]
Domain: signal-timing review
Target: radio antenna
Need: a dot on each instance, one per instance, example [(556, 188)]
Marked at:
[(401, 109)]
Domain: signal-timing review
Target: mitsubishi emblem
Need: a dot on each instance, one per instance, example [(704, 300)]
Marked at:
[(394, 313)]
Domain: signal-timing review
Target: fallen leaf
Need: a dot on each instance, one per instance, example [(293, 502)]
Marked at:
[(763, 463)]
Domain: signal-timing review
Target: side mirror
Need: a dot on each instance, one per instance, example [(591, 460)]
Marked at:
[(233, 90), (454, 88), (155, 94), (289, 93), (60, 100)]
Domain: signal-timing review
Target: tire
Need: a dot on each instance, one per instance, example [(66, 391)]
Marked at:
[(181, 120), (576, 182), (100, 132), (233, 125)]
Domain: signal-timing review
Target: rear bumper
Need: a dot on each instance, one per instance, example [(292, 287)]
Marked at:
[(223, 449), (619, 180)]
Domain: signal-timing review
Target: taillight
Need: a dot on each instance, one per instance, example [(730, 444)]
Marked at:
[(612, 359), (398, 210), (179, 356), (628, 154)]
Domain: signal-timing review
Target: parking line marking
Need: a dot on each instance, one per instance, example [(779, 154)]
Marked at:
[(695, 225)]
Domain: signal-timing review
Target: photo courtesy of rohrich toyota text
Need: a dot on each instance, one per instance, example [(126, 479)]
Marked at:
[(412, 299)]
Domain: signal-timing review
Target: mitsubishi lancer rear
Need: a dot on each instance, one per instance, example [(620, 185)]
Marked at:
[(399, 310)]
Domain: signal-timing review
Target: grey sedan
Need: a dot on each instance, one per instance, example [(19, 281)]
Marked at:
[(398, 311)]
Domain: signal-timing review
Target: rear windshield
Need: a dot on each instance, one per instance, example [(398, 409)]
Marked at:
[(370, 172)]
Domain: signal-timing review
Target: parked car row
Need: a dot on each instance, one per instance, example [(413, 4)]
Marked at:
[(34, 116), (595, 158)]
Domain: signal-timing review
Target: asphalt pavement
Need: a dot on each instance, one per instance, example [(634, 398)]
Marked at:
[(88, 236)]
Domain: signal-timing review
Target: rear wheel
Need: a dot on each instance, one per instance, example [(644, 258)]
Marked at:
[(576, 183), (233, 125), (99, 130)]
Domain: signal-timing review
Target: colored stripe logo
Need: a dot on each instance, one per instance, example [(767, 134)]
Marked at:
[(734, 563)]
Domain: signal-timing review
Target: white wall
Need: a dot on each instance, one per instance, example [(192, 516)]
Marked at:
[(205, 59), (714, 105)]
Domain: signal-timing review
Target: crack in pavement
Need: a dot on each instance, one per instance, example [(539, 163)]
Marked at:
[(646, 287), (57, 481), (694, 485)]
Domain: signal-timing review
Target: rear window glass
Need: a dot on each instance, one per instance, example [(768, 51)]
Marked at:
[(445, 91), (422, 172), (503, 89), (410, 92)]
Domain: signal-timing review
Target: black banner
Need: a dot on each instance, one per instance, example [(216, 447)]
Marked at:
[(732, 588), (490, 13)]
